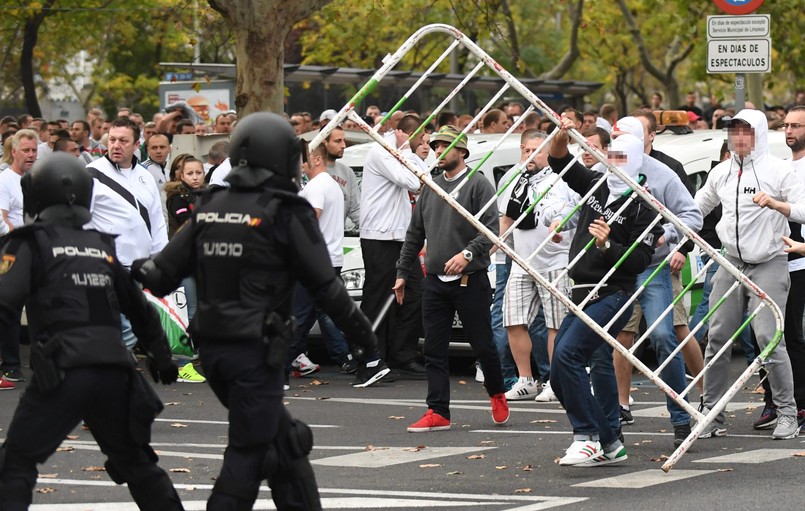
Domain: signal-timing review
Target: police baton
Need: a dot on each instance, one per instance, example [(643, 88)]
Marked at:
[(383, 313)]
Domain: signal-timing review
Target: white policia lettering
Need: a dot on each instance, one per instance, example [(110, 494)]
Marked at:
[(80, 252), (225, 218), (223, 249)]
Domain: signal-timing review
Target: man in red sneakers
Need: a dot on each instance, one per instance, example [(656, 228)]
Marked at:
[(455, 262)]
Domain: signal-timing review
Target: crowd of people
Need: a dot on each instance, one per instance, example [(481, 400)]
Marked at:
[(424, 263)]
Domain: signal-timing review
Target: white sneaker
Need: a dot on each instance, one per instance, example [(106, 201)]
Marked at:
[(522, 390), (581, 451), (631, 400), (479, 373), (302, 366), (547, 395)]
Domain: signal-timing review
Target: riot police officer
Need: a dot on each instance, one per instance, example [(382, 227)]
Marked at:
[(74, 290), (247, 245)]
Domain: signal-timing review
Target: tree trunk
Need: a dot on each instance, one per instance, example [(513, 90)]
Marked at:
[(29, 38), (260, 29), (572, 53)]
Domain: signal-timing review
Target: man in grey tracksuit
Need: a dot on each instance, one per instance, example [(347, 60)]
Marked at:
[(759, 193)]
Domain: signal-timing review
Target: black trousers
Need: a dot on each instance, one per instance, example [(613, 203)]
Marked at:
[(398, 334), (252, 392), (794, 339), (100, 396), (440, 301)]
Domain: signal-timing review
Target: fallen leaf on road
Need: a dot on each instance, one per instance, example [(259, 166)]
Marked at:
[(178, 425), (65, 449), (462, 382), (92, 468), (528, 468), (501, 467), (72, 437), (430, 465), (396, 417), (48, 476), (414, 449), (319, 382), (523, 490), (487, 442), (724, 470), (543, 421), (172, 403), (322, 398), (476, 456), (45, 490), (800, 454), (455, 473), (180, 470), (373, 448)]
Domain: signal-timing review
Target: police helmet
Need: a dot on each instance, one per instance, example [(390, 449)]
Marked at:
[(58, 185), (264, 147)]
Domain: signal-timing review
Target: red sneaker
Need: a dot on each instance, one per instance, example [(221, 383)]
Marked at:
[(500, 408), (429, 422), (6, 385)]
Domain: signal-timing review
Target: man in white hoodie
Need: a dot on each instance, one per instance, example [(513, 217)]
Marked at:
[(385, 213), (759, 193)]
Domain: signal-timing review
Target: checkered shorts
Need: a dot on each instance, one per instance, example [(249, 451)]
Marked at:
[(524, 296)]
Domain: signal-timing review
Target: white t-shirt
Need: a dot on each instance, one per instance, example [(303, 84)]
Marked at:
[(799, 170), (322, 192), (220, 173), (11, 197)]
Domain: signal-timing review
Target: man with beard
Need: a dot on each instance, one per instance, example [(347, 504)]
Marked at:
[(343, 175), (795, 306)]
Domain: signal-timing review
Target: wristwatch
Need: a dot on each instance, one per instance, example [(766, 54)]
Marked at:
[(603, 249), (467, 255)]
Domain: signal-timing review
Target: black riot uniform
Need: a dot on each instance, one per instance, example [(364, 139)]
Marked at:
[(74, 290), (247, 246)]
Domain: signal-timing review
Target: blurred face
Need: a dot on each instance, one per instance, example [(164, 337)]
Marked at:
[(500, 126), (372, 111), (148, 132), (424, 148), (656, 100), (588, 159), (158, 148), (78, 133), (193, 174), (201, 129), (97, 129), (72, 148), (188, 130), (718, 113), (23, 156), (223, 124), (539, 161), (742, 139), (572, 116), (617, 158), (588, 122), (691, 99), (106, 126), (121, 145), (795, 131), (336, 144), (451, 160)]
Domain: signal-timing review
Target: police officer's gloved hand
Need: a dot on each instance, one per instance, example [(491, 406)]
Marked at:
[(165, 373), (140, 268)]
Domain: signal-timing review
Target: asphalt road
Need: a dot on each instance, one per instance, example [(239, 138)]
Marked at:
[(365, 459)]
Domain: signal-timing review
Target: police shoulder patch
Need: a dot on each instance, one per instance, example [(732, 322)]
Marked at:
[(6, 263)]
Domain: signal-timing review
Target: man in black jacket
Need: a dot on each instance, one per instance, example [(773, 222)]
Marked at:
[(616, 219), (74, 290)]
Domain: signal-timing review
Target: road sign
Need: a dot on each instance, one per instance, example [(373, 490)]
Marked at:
[(731, 27), (738, 56), (738, 6)]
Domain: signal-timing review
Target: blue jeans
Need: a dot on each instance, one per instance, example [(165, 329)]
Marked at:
[(499, 335), (703, 308), (129, 339), (574, 346), (191, 296), (334, 340), (654, 299)]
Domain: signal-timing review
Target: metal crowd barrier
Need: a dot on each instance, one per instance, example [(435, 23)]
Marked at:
[(536, 104)]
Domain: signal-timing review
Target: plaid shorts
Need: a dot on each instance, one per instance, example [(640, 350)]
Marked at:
[(524, 296)]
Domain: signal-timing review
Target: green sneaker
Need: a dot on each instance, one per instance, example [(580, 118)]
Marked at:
[(188, 374)]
